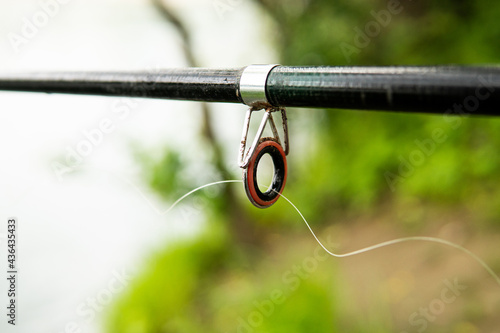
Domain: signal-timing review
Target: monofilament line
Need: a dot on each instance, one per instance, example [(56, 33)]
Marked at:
[(396, 241), (363, 250), (197, 189)]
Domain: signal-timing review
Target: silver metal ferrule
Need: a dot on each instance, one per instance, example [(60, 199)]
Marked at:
[(253, 85)]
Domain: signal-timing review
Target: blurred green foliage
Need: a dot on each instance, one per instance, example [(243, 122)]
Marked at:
[(354, 151), (213, 283), (166, 175)]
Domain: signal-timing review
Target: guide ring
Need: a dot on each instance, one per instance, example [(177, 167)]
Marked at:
[(249, 162), (257, 197)]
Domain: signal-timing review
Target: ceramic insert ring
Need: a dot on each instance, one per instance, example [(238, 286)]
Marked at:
[(257, 197)]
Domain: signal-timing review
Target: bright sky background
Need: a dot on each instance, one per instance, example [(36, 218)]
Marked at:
[(78, 233)]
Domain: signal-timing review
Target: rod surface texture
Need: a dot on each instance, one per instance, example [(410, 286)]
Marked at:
[(421, 89), (452, 89), (194, 84)]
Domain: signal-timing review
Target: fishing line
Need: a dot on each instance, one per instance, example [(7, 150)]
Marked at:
[(396, 241), (362, 250), (197, 189), (158, 211)]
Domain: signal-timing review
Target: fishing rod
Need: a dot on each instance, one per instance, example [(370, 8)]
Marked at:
[(431, 89), (451, 90)]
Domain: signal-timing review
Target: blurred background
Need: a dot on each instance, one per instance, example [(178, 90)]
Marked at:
[(91, 178)]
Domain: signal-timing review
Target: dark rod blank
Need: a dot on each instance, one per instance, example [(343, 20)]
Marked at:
[(441, 89), (193, 84), (407, 89)]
